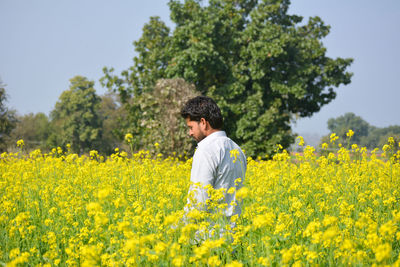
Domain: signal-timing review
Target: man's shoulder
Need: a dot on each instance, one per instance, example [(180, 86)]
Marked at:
[(225, 141), (215, 138), (219, 143)]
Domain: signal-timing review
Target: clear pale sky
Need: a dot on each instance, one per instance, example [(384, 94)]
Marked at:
[(44, 43)]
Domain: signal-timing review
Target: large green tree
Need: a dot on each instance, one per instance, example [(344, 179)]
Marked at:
[(263, 66), (75, 118), (7, 118)]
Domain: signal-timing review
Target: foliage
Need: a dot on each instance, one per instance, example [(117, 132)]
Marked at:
[(65, 209), (160, 121), (75, 118), (7, 118), (34, 129), (342, 124), (365, 135), (378, 137), (114, 123), (261, 65)]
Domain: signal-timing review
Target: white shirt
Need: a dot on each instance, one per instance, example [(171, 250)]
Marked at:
[(213, 165)]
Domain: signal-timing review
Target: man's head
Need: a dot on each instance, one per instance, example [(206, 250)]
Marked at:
[(202, 116)]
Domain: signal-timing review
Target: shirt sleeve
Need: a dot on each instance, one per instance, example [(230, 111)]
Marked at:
[(203, 173)]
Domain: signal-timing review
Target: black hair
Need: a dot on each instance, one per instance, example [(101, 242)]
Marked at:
[(203, 107)]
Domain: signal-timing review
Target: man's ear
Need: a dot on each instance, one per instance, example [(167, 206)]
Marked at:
[(203, 122)]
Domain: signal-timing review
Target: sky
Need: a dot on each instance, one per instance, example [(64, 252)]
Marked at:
[(44, 43)]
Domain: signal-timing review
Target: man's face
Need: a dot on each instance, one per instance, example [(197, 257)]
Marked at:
[(196, 129)]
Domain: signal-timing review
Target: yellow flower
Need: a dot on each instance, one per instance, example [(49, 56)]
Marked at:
[(329, 220), (238, 181), (20, 143), (329, 234), (231, 190), (104, 193), (391, 141), (234, 153), (264, 220), (333, 137), (160, 247), (263, 261), (14, 253), (178, 261), (388, 230), (350, 133), (383, 252), (93, 208), (214, 261), (287, 256), (242, 193), (128, 138), (301, 140), (310, 255), (93, 154), (234, 264)]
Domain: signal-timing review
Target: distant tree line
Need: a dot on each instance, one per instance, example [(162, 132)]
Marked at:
[(365, 135), (85, 121), (80, 118)]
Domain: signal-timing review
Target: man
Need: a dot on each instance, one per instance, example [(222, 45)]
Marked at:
[(217, 162)]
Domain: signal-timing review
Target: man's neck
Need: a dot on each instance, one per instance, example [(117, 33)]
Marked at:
[(211, 131)]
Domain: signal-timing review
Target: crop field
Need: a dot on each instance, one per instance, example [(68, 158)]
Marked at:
[(61, 209)]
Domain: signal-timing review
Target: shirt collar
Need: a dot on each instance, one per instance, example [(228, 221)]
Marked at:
[(211, 137)]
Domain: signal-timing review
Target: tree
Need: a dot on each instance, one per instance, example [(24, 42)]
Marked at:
[(365, 135), (34, 129), (378, 137), (161, 122), (259, 63), (7, 118), (75, 118), (349, 121), (114, 123)]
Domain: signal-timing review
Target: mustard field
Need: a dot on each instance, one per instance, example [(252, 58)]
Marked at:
[(61, 209)]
